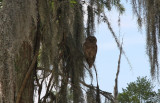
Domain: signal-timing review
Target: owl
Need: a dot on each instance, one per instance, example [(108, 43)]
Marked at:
[(90, 50)]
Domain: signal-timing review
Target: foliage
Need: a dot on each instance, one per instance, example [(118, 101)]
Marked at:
[(156, 98), (73, 1), (137, 92)]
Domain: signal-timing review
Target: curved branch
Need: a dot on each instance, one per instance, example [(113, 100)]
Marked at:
[(26, 77)]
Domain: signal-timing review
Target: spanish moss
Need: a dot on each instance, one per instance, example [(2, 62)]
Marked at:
[(148, 13)]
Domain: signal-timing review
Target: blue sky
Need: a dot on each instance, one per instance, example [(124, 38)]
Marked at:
[(134, 44)]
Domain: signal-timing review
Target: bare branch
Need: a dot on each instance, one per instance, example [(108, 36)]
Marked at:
[(104, 93), (115, 37), (116, 79)]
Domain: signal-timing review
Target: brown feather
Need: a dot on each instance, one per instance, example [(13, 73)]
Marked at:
[(90, 50)]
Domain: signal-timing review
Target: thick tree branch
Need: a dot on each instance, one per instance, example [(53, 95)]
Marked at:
[(26, 77)]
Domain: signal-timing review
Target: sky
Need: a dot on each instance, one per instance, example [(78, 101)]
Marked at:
[(134, 44)]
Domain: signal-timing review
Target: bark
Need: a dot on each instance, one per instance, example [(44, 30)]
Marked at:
[(18, 24)]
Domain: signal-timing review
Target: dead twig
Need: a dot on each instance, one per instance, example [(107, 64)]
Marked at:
[(105, 19), (104, 93), (98, 95)]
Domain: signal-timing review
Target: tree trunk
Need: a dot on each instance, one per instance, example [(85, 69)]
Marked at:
[(18, 26)]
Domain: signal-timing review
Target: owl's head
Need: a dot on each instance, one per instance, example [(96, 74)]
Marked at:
[(91, 39)]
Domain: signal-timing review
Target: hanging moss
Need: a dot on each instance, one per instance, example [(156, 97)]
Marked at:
[(90, 21), (91, 96), (149, 12), (63, 34)]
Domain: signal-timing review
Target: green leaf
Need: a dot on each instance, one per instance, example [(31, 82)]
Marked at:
[(73, 2)]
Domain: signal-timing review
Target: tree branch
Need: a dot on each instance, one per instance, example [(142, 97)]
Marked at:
[(116, 79), (104, 93), (26, 77)]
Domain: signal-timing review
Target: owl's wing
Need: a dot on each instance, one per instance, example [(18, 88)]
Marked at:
[(95, 49), (94, 52), (90, 51), (85, 49)]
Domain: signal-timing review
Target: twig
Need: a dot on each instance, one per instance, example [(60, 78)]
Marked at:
[(98, 96), (104, 93), (116, 39), (90, 73), (49, 84)]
